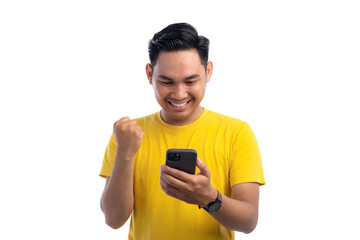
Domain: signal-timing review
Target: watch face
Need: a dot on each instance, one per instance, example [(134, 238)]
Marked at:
[(214, 207)]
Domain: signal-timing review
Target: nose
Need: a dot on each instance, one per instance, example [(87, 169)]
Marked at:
[(180, 92)]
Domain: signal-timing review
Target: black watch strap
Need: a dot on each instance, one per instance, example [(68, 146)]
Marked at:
[(214, 205)]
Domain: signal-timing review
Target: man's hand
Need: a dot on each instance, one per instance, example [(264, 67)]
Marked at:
[(128, 135), (193, 189)]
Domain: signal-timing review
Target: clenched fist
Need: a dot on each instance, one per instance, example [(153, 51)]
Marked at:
[(128, 135)]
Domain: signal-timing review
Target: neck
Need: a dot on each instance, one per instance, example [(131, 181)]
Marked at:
[(182, 122)]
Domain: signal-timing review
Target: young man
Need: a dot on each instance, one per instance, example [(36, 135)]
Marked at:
[(166, 203)]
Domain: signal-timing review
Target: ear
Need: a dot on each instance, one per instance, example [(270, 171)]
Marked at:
[(149, 72), (209, 70)]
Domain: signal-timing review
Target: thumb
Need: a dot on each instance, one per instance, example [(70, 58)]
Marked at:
[(203, 168)]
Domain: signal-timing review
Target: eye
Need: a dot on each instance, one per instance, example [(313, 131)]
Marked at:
[(165, 83), (191, 82)]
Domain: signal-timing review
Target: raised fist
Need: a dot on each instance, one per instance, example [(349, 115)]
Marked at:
[(128, 135)]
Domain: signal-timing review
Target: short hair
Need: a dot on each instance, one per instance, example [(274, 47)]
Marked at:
[(178, 36)]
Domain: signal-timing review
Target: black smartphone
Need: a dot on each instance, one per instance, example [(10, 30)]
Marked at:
[(182, 159)]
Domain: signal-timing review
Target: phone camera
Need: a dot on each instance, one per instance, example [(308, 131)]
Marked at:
[(174, 156)]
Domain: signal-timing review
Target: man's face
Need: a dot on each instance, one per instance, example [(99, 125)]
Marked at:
[(179, 81)]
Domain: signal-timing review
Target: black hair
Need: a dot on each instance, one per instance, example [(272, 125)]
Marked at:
[(178, 36)]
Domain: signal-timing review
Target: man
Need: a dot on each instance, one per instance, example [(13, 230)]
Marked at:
[(166, 203)]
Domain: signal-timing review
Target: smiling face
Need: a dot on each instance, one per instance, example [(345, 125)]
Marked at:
[(179, 81)]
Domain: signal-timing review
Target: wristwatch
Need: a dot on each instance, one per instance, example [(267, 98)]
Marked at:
[(214, 205)]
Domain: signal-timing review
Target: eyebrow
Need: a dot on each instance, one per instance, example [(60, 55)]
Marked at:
[(165, 77), (192, 77), (187, 78)]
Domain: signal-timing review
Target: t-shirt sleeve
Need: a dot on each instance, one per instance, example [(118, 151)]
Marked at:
[(109, 158), (246, 165)]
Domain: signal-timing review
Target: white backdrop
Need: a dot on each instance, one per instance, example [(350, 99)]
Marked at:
[(69, 69)]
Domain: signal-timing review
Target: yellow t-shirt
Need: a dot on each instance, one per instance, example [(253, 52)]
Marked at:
[(226, 145)]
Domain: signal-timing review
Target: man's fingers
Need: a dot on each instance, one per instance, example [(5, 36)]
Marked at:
[(183, 176), (121, 121), (169, 181), (124, 119), (203, 168), (169, 190), (128, 136)]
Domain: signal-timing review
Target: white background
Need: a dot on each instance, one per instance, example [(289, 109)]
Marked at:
[(69, 69)]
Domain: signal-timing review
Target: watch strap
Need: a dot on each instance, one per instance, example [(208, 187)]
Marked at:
[(216, 203)]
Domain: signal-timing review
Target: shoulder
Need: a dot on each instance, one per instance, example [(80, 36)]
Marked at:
[(147, 120), (227, 123), (224, 119)]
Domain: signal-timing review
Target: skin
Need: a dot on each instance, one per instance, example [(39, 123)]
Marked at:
[(179, 77), (179, 82), (117, 200)]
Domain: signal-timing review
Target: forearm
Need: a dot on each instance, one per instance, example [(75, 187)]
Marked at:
[(237, 215), (117, 200)]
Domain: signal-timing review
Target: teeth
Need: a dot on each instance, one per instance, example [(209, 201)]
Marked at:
[(179, 105)]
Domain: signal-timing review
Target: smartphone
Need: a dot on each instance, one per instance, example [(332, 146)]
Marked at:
[(182, 159)]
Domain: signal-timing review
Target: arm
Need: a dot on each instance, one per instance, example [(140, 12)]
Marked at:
[(117, 200), (239, 213)]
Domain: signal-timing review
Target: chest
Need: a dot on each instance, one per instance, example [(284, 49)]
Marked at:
[(213, 149)]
